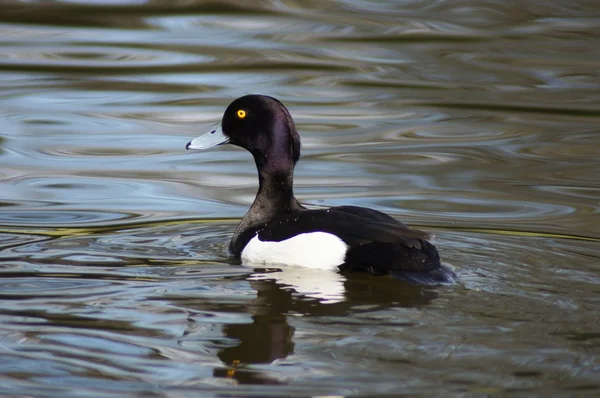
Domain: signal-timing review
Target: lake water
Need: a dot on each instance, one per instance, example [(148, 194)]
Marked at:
[(477, 121)]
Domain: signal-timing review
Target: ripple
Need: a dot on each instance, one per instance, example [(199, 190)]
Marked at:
[(11, 240), (483, 273), (145, 246), (96, 151), (592, 193), (44, 218), (19, 288), (89, 57)]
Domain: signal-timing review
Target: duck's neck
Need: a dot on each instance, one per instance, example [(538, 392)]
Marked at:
[(275, 197), (275, 185)]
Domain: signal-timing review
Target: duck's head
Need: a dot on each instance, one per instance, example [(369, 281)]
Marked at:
[(260, 124)]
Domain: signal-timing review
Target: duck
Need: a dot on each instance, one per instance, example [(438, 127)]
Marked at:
[(278, 230)]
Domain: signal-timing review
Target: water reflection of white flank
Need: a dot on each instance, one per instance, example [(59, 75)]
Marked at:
[(325, 285)]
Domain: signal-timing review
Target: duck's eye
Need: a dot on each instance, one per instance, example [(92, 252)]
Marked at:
[(241, 114)]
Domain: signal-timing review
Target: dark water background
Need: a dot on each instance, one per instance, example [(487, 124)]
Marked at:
[(478, 121)]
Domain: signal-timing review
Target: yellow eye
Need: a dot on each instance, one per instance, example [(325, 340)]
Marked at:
[(241, 114)]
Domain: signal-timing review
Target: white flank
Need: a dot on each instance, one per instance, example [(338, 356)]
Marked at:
[(318, 250)]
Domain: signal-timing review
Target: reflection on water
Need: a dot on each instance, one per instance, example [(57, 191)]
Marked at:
[(477, 121), (327, 286)]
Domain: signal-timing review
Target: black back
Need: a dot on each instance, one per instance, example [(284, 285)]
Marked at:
[(378, 243)]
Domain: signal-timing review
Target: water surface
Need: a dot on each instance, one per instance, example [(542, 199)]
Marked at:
[(474, 120)]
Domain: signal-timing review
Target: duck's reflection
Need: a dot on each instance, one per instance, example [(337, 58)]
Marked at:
[(269, 336), (282, 292), (325, 285)]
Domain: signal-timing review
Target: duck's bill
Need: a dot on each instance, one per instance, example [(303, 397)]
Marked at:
[(213, 138)]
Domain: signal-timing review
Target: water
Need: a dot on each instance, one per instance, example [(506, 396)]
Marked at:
[(474, 120)]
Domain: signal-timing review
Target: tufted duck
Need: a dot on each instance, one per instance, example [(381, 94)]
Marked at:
[(279, 230)]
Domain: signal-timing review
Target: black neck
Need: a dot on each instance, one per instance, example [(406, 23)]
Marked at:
[(275, 184), (275, 197)]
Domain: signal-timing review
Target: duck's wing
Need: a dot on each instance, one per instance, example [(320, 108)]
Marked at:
[(385, 219), (377, 243), (354, 225)]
